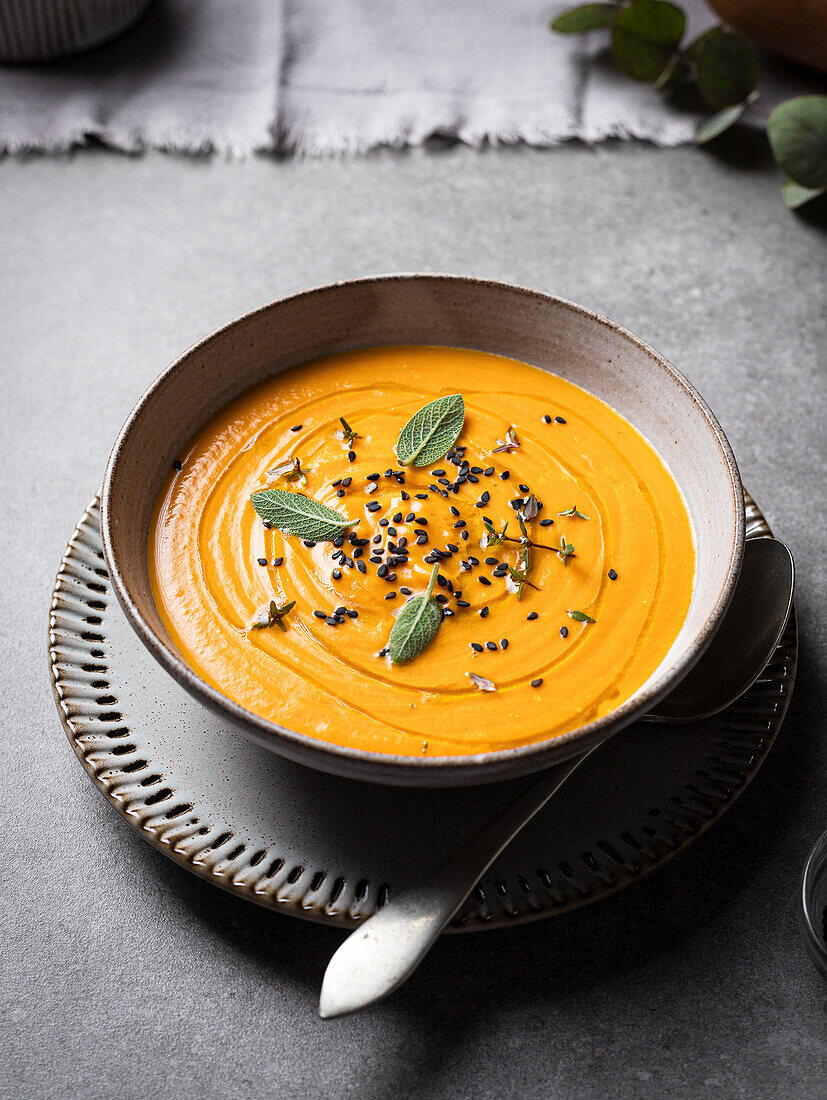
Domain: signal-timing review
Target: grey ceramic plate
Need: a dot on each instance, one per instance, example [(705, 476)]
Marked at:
[(332, 849)]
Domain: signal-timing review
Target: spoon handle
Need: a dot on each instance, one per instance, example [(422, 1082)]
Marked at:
[(384, 951)]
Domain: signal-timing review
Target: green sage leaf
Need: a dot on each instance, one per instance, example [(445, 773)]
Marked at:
[(795, 195), (297, 514), (716, 125), (586, 17), (645, 36), (727, 70), (797, 131), (431, 432), (416, 625)]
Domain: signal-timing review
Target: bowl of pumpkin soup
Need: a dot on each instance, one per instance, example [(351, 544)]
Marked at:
[(423, 530)]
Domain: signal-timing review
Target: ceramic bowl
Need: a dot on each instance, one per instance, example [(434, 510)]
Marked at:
[(42, 30), (554, 335)]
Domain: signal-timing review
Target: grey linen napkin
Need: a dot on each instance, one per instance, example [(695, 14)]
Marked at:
[(335, 76)]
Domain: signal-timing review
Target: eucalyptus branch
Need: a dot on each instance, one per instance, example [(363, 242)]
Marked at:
[(646, 43)]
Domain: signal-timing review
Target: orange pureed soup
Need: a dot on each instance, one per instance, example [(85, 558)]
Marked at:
[(529, 647)]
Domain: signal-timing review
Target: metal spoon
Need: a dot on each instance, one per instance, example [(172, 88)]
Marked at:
[(384, 951)]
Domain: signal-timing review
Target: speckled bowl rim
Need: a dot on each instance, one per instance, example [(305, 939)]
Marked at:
[(397, 768)]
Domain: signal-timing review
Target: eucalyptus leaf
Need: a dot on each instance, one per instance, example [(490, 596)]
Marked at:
[(693, 50), (297, 514), (586, 17), (645, 35), (416, 625), (795, 195), (719, 123), (431, 432), (797, 131), (727, 70)]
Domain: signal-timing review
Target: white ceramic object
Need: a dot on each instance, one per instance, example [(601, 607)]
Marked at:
[(553, 334), (332, 849), (42, 30)]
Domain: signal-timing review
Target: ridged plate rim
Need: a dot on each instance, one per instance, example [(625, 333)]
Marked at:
[(99, 738)]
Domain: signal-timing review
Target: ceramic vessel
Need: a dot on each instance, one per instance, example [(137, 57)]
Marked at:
[(554, 335), (42, 30)]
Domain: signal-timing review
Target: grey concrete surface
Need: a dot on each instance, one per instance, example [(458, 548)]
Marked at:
[(123, 976)]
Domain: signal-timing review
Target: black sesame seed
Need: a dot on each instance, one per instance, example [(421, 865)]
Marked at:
[(489, 471), (382, 570), (309, 543), (376, 559), (320, 614), (454, 511), (390, 596), (397, 518), (391, 577), (421, 538), (612, 575), (335, 484), (491, 645), (357, 553), (460, 523), (564, 632), (383, 652), (546, 522), (297, 428), (347, 481), (336, 574), (491, 561), (452, 547), (340, 493), (437, 473), (409, 518), (546, 419), (536, 683), (266, 525), (405, 591), (560, 420), (178, 464), (532, 615), (500, 571), (330, 620), (384, 522), (463, 603), (420, 521), (505, 475), (392, 532), (373, 477), (473, 560), (360, 565), (373, 506), (443, 481), (447, 613), (484, 612), (524, 489), (351, 456), (421, 496), (484, 580), (348, 562), (503, 643), (353, 613), (440, 597), (477, 648), (339, 610), (440, 580), (486, 496), (339, 540), (516, 503), (406, 496), (277, 562), (261, 561), (403, 542), (464, 535), (339, 618)]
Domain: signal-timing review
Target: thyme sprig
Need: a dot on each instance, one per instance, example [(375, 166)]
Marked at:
[(348, 434), (273, 616), (291, 470), (573, 512), (509, 444), (565, 551)]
